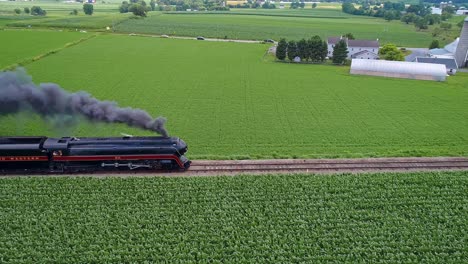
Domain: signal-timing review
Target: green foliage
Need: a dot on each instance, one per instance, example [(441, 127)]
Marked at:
[(37, 11), (349, 36), (303, 50), (409, 18), (314, 5), (413, 217), (123, 8), (434, 44), (17, 11), (268, 5), (74, 12), (292, 50), (340, 52), (391, 52), (137, 9), (88, 9), (318, 49), (153, 5), (281, 49), (26, 10), (421, 23), (446, 26)]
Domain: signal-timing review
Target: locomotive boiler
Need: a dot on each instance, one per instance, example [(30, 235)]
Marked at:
[(71, 154)]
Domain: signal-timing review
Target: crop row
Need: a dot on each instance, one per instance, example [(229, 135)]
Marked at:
[(379, 218)]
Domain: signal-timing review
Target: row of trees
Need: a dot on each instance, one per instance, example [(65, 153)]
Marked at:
[(313, 49), (182, 5), (420, 14), (35, 11), (88, 9), (137, 7)]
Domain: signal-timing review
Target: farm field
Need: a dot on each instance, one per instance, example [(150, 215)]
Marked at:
[(256, 24), (380, 218), (229, 101), (18, 47), (269, 24), (58, 16)]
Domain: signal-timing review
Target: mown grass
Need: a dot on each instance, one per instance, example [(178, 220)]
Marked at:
[(226, 101), (377, 218), (290, 24)]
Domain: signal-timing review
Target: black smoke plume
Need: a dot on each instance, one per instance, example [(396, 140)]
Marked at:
[(18, 93)]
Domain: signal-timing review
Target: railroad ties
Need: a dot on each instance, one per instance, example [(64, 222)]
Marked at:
[(329, 166)]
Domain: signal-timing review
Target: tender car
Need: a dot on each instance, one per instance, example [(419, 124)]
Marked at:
[(200, 38)]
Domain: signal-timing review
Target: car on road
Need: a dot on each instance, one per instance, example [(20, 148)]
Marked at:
[(164, 36), (269, 41), (200, 38)]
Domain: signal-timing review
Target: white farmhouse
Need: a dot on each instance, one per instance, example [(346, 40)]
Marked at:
[(357, 49)]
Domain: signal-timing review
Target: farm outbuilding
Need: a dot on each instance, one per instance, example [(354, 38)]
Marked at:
[(399, 69)]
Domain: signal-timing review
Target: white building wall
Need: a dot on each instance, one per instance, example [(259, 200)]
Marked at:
[(353, 50)]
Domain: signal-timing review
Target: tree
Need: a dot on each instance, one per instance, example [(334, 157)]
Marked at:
[(292, 50), (17, 11), (153, 5), (314, 5), (37, 11), (302, 49), (74, 12), (348, 8), (340, 52), (349, 35), (26, 10), (434, 44), (137, 10), (281, 49), (389, 15), (391, 52), (317, 49), (432, 19), (123, 8), (420, 23), (88, 9), (408, 18)]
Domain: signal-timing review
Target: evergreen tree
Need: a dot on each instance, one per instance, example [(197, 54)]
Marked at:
[(340, 52), (292, 50), (303, 49), (281, 49), (315, 46)]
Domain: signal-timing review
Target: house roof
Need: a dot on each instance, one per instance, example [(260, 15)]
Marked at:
[(363, 43), (362, 52), (355, 42), (449, 63)]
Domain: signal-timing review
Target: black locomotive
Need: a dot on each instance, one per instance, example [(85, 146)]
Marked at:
[(70, 154)]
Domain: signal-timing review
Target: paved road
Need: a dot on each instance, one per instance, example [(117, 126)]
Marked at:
[(416, 52)]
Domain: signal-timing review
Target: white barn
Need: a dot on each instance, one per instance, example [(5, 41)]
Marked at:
[(399, 69), (357, 49)]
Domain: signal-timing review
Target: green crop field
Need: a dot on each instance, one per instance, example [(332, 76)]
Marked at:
[(258, 24), (290, 24), (25, 45), (229, 100), (376, 218)]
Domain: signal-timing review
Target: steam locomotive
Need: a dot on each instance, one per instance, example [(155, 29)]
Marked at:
[(71, 154)]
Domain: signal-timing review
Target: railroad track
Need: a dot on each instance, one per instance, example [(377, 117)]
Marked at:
[(287, 166), (232, 167)]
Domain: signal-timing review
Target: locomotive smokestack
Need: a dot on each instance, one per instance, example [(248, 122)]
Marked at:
[(18, 93)]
